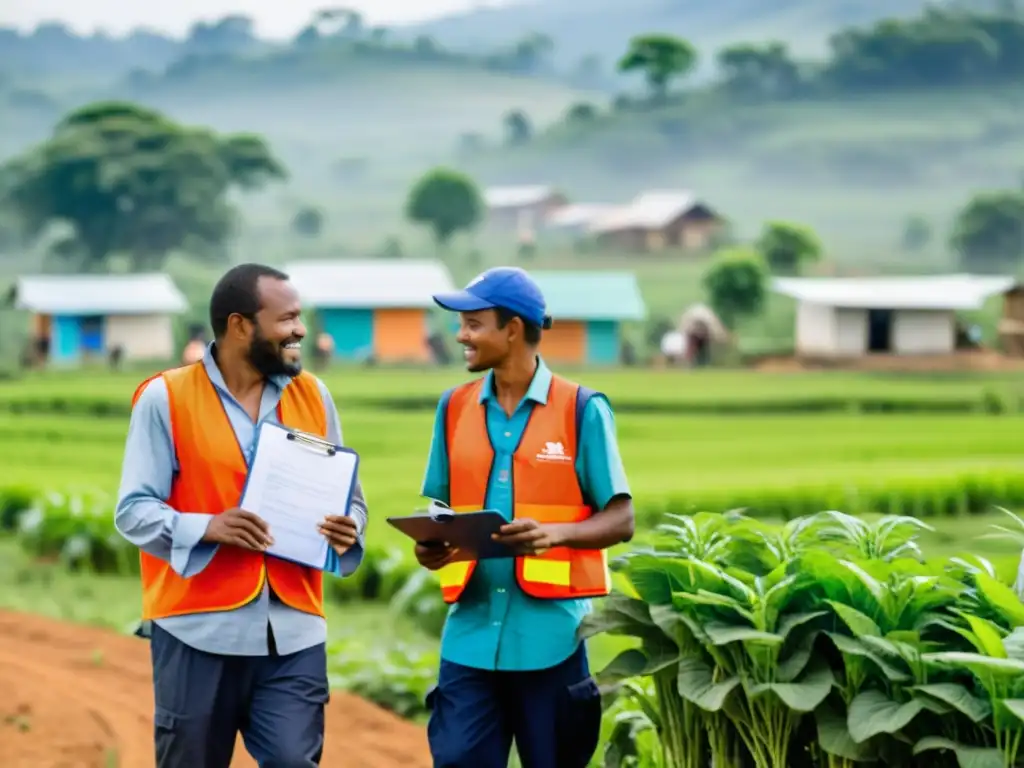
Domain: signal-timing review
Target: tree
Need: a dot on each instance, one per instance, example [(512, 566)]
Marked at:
[(518, 129), (581, 112), (736, 284), (917, 232), (988, 232), (447, 201), (660, 58), (788, 248), (759, 70), (126, 179), (308, 221)]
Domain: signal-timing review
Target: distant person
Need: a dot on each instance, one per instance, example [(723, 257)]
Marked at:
[(512, 667), (193, 352), (673, 347), (700, 344), (237, 636), (324, 349), (116, 357)]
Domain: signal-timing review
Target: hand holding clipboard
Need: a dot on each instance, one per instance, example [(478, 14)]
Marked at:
[(471, 533)]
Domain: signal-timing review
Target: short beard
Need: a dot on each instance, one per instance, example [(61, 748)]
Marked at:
[(266, 357)]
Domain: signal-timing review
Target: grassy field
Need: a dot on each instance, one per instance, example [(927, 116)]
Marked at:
[(64, 432)]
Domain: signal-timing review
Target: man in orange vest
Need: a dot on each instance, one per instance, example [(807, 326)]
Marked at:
[(542, 451), (237, 636)]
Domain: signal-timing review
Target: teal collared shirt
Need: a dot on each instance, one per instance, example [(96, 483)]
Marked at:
[(495, 625)]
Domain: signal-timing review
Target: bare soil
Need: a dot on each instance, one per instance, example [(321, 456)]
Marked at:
[(73, 696)]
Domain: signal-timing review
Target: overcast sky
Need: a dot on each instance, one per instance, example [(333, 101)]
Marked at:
[(274, 18)]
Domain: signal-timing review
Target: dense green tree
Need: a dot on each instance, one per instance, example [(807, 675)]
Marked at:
[(788, 248), (308, 221), (988, 232), (518, 128), (129, 180), (661, 59), (447, 201), (766, 70), (737, 284)]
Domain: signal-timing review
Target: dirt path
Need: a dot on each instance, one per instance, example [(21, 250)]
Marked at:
[(77, 697)]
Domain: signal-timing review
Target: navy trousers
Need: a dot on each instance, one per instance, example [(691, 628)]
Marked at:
[(204, 700), (554, 716)]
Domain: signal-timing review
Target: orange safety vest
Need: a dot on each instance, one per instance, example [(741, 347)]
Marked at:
[(544, 483), (211, 477)]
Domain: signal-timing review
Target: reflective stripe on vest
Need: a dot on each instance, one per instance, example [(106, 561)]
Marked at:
[(210, 479), (545, 489)]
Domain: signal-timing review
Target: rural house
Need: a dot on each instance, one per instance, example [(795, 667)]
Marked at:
[(658, 220), (522, 209), (589, 308), (847, 317), (80, 317), (375, 308)]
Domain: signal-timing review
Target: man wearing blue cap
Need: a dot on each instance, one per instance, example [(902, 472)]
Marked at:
[(542, 451)]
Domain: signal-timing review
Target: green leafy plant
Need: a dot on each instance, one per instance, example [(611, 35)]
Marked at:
[(826, 641), (396, 676)]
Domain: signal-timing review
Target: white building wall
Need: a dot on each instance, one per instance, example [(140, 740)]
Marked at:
[(143, 337), (851, 332), (815, 329), (923, 332)]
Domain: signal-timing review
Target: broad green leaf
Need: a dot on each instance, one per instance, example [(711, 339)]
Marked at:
[(982, 666), (804, 695), (988, 635), (1001, 598), (718, 574), (704, 597), (1014, 644), (697, 684), (723, 634), (675, 625), (958, 697), (789, 668), (619, 615), (635, 662), (1015, 707), (790, 621), (855, 647), (656, 578), (858, 623), (967, 757), (872, 713), (877, 590), (834, 737)]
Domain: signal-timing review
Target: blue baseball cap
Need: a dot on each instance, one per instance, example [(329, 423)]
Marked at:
[(508, 288)]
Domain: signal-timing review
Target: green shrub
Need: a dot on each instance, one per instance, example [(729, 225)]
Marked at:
[(825, 642), (13, 502), (78, 530), (393, 675)]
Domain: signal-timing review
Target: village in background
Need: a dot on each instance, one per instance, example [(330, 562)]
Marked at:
[(671, 210)]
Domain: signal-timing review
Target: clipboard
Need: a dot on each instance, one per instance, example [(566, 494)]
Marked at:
[(469, 532), (293, 546)]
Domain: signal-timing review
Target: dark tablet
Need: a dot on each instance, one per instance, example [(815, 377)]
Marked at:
[(469, 532)]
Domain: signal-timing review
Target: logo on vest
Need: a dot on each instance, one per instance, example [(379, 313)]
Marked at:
[(553, 452)]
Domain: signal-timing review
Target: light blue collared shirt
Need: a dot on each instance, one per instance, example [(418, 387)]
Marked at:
[(144, 519), (495, 625)]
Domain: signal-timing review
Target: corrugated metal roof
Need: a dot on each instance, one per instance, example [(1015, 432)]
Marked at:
[(649, 210), (578, 214), (370, 284), (515, 197), (152, 294), (590, 295), (950, 292)]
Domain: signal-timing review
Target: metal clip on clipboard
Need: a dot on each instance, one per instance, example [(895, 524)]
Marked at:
[(313, 441)]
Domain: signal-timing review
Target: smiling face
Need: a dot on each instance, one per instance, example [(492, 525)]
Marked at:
[(277, 331), (486, 344)]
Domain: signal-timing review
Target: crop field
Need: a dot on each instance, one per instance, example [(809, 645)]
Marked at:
[(944, 449)]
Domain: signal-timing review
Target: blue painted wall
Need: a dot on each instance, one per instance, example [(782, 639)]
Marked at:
[(73, 336), (352, 331), (602, 342)]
